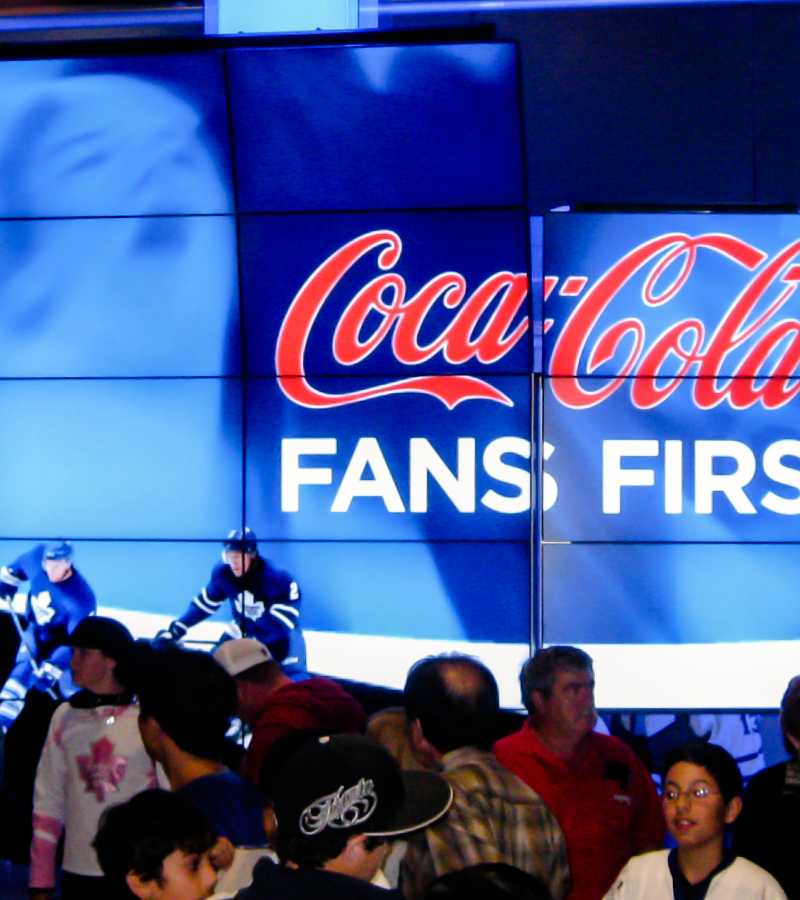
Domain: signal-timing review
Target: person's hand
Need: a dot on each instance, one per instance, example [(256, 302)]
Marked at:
[(47, 677), (175, 631)]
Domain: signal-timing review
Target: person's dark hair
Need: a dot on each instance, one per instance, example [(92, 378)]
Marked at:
[(189, 694), (125, 670), (310, 852), (264, 673), (455, 699), (137, 836), (488, 881), (719, 764), (313, 852), (540, 671), (790, 714)]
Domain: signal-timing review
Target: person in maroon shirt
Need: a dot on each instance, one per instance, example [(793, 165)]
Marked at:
[(274, 706), (598, 790)]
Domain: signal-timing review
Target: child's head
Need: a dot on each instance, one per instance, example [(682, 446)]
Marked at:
[(790, 717), (156, 847), (701, 794)]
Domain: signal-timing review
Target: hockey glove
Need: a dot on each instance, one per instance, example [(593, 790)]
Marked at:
[(175, 631)]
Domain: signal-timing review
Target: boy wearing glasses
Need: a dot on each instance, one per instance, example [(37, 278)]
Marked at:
[(701, 796)]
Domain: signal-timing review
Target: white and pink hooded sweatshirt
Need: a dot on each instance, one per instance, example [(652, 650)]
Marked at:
[(93, 758)]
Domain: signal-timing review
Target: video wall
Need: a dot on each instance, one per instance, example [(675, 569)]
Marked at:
[(289, 288), (263, 286), (671, 347)]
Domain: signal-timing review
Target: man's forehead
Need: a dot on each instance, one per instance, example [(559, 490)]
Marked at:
[(568, 675), (689, 773), (692, 781)]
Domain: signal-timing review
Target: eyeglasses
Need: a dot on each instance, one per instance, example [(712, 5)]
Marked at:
[(695, 792)]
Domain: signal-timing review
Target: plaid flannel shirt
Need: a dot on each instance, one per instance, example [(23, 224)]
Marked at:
[(495, 817)]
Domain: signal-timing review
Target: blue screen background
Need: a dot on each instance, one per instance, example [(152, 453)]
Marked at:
[(157, 215)]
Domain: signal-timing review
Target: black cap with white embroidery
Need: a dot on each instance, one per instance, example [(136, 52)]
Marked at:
[(351, 784)]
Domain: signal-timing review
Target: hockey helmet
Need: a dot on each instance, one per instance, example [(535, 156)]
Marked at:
[(242, 541), (58, 550)]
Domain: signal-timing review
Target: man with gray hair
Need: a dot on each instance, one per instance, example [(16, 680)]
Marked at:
[(601, 794)]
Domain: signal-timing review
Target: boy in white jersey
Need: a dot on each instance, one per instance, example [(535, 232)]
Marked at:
[(701, 797)]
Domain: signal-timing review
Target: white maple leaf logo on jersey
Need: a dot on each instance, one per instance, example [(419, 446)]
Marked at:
[(253, 609), (43, 612)]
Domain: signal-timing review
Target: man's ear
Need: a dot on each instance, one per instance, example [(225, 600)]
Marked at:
[(241, 692), (732, 810), (221, 854), (537, 700), (355, 844), (422, 747), (141, 889), (270, 822), (415, 735)]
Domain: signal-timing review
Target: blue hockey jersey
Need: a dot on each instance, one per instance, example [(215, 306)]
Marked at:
[(52, 610), (265, 603)]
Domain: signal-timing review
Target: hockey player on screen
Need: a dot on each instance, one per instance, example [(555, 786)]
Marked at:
[(264, 600), (58, 598)]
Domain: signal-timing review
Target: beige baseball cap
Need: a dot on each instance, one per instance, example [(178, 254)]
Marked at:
[(241, 654)]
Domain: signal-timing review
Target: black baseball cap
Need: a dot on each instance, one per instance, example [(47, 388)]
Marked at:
[(350, 783), (101, 633)]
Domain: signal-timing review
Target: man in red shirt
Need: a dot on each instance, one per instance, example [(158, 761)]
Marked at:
[(274, 706), (601, 794)]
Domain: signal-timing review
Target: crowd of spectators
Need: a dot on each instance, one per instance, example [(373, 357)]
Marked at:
[(140, 791)]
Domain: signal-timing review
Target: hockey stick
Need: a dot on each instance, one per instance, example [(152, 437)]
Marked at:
[(31, 651)]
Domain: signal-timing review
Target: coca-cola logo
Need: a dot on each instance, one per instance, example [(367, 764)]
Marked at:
[(747, 358), (485, 325), (757, 351)]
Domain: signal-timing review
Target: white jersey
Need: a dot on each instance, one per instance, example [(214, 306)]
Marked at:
[(92, 759), (647, 877)]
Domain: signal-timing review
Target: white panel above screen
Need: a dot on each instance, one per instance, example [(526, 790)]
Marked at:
[(256, 16)]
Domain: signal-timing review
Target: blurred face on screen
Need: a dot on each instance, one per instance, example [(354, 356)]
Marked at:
[(111, 143), (569, 709), (238, 561), (57, 569)]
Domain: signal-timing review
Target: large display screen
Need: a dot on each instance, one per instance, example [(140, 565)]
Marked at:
[(265, 287), (289, 288), (672, 453)]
